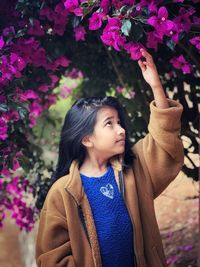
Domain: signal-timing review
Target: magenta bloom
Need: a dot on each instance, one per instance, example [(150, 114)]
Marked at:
[(196, 42), (1, 42), (46, 12), (153, 40), (79, 33), (61, 61), (9, 30), (75, 74), (30, 94), (3, 130), (181, 63), (182, 20), (36, 29), (134, 49), (118, 4), (160, 22), (73, 6), (95, 21), (174, 32), (70, 5), (111, 34), (105, 5)]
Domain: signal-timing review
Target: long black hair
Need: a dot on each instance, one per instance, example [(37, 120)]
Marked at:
[(80, 121)]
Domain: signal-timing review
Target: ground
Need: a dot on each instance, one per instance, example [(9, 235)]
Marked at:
[(177, 215)]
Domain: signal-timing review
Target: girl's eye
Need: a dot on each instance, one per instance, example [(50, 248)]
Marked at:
[(109, 122)]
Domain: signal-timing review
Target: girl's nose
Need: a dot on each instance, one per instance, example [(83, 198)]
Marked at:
[(121, 131)]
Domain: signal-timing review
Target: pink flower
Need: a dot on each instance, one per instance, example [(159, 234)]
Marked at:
[(153, 39), (105, 5), (78, 11), (65, 91), (196, 19), (111, 34), (36, 28), (9, 31), (74, 74), (174, 33), (182, 20), (134, 49), (160, 22), (196, 42), (62, 61), (131, 94), (186, 247), (30, 94), (95, 21), (5, 172), (118, 4), (79, 33), (1, 42), (172, 259), (43, 88), (3, 129), (38, 57), (46, 12), (11, 115), (73, 6), (150, 5), (181, 63), (17, 64), (120, 89)]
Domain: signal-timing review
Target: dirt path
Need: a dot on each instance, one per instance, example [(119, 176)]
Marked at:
[(177, 215)]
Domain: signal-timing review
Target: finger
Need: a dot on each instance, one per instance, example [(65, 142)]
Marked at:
[(142, 65), (146, 55)]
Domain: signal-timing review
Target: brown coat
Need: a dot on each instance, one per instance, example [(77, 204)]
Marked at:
[(62, 239)]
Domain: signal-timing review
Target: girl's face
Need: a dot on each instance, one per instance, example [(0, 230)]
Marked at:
[(107, 133)]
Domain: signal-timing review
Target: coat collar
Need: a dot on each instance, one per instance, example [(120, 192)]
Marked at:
[(74, 184)]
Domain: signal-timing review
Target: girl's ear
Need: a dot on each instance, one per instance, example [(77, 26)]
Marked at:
[(86, 141)]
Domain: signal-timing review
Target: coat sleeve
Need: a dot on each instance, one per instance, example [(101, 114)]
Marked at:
[(161, 151), (53, 247)]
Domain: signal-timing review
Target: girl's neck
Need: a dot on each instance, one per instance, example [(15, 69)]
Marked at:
[(88, 168)]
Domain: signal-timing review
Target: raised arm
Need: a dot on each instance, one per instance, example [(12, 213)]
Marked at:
[(161, 151)]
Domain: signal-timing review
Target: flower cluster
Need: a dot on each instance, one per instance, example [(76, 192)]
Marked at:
[(12, 197)]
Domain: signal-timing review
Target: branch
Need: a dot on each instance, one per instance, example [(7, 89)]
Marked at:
[(192, 57)]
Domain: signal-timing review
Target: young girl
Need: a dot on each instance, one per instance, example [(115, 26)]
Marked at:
[(100, 209)]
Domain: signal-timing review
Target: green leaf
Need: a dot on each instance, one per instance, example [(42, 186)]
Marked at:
[(75, 21), (3, 107), (136, 32), (126, 27), (22, 112), (31, 21), (170, 44), (146, 11)]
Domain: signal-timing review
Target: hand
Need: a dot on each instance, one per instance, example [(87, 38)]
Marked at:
[(149, 70)]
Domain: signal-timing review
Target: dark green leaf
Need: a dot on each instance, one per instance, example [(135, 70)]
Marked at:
[(170, 44), (136, 32), (126, 27), (3, 107)]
